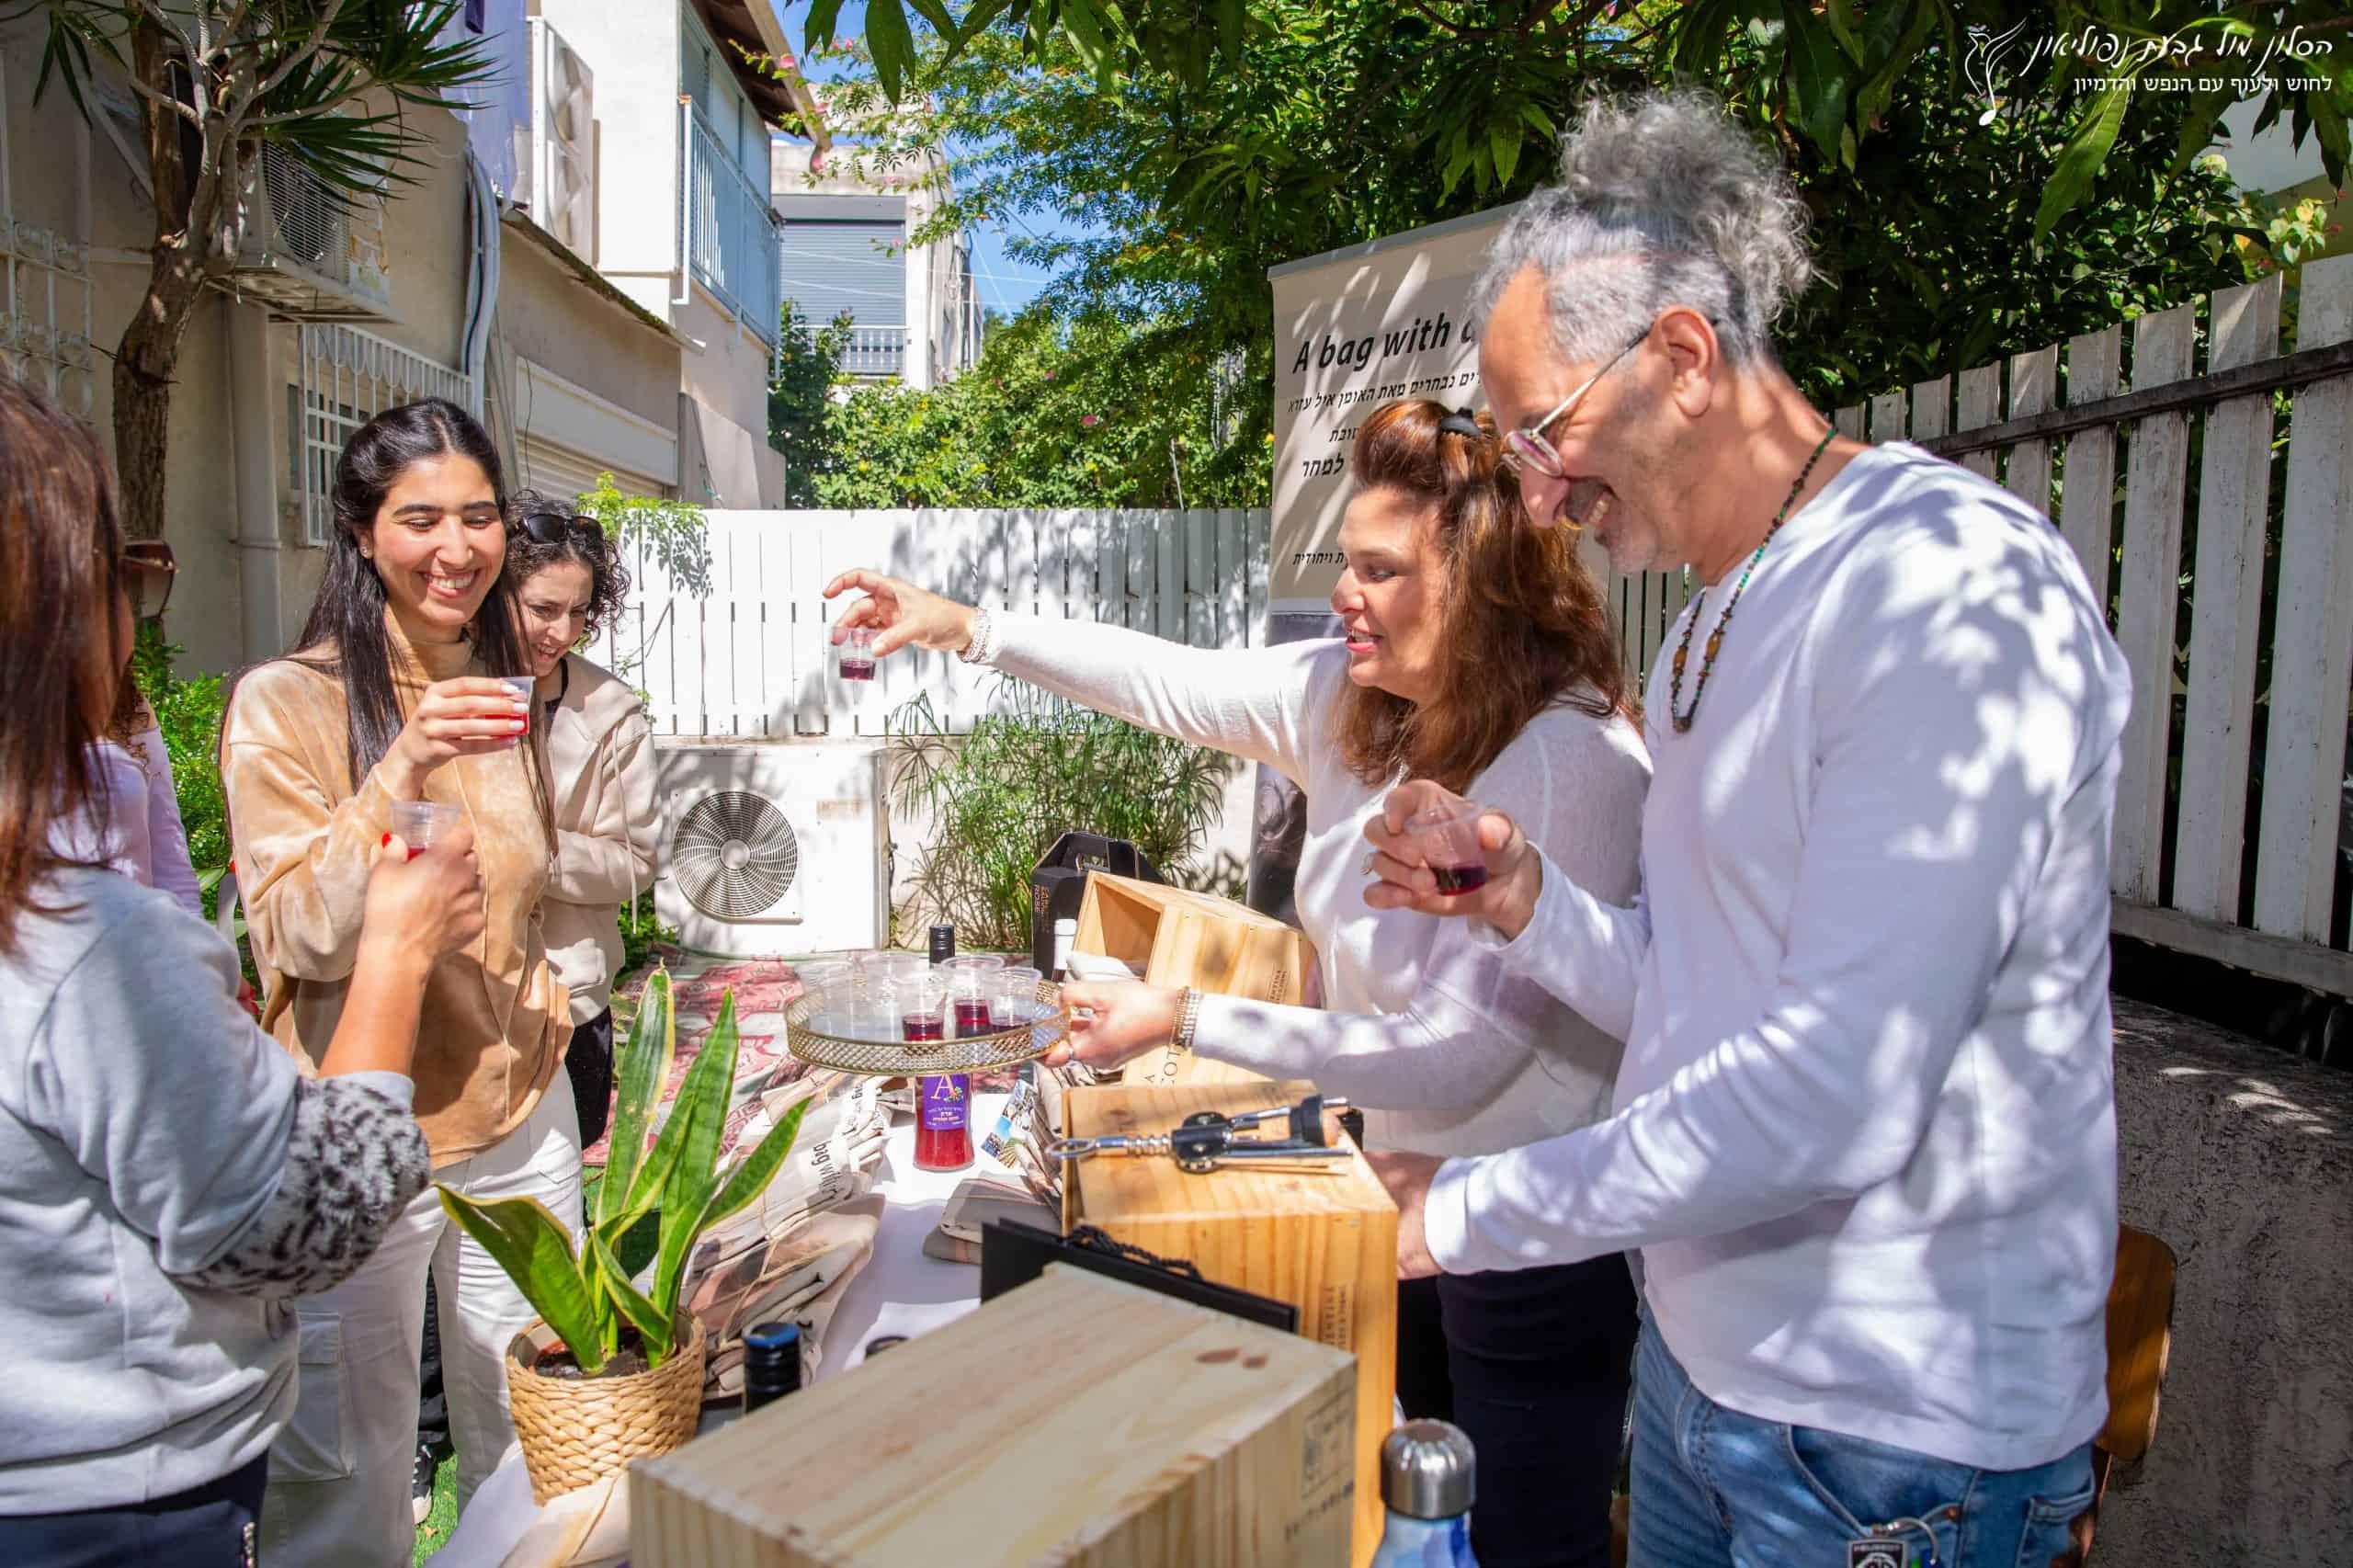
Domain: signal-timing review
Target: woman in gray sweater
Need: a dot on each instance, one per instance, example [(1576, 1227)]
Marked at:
[(169, 1178)]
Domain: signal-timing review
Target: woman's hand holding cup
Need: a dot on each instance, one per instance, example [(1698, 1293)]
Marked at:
[(421, 908), (465, 717), (1113, 1022), (1437, 853), (900, 613)]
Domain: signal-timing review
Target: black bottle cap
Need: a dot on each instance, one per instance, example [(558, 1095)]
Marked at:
[(943, 942)]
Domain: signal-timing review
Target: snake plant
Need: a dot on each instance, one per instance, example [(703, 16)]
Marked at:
[(586, 1297)]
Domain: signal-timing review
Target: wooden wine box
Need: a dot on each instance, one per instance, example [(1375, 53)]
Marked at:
[(1191, 938), (1323, 1239), (1075, 1421)]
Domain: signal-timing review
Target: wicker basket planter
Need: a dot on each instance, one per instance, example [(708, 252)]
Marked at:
[(576, 1430)]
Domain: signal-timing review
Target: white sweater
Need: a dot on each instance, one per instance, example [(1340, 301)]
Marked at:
[(139, 834), (1453, 1049), (1865, 1136)]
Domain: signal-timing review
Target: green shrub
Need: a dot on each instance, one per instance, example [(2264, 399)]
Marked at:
[(1000, 796), (188, 711)]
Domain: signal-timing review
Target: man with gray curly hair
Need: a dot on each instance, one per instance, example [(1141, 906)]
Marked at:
[(1864, 1137)]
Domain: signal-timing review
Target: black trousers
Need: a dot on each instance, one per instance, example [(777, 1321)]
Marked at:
[(1535, 1366), (589, 1064), (212, 1526)]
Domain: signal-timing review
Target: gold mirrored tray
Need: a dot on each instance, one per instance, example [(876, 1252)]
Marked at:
[(822, 1028)]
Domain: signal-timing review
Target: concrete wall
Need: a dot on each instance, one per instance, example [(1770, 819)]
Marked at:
[(550, 317), (2241, 1158), (633, 53), (726, 371), (632, 50)]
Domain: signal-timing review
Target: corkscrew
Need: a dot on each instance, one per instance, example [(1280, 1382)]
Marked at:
[(1207, 1139)]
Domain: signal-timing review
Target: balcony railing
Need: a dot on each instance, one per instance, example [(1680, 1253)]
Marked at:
[(734, 244), (876, 351)]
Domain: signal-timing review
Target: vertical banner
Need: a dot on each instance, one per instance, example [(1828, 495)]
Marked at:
[(1354, 329)]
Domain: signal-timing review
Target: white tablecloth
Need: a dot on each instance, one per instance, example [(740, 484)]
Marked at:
[(899, 1291)]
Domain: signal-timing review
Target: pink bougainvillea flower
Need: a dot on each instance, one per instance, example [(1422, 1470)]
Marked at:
[(1049, 375), (1090, 419)]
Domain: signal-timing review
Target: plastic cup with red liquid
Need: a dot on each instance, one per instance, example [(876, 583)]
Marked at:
[(421, 825), (1447, 838), (855, 659)]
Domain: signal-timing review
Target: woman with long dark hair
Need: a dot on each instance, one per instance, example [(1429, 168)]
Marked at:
[(391, 695), (1476, 652), (569, 581), (168, 1179)]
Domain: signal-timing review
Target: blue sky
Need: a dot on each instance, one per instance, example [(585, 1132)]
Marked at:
[(1006, 284)]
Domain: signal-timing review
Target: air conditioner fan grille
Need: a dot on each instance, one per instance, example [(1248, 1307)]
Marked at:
[(734, 854)]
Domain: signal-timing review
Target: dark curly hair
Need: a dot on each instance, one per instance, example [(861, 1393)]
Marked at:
[(545, 531)]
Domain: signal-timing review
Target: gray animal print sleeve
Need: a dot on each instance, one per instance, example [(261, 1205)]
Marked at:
[(353, 1161)]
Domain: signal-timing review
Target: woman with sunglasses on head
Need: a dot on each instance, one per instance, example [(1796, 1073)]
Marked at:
[(391, 696), (600, 773), (1476, 650), (169, 1177)]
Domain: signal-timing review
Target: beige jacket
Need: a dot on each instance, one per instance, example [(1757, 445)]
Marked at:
[(600, 762), (495, 1021)]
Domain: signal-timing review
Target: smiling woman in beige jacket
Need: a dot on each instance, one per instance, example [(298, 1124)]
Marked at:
[(600, 771)]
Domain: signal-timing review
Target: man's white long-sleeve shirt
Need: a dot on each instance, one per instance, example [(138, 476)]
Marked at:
[(1865, 1130)]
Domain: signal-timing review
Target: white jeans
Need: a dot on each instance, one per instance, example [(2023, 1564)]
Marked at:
[(339, 1473)]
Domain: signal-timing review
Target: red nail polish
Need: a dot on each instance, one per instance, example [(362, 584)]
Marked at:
[(387, 839)]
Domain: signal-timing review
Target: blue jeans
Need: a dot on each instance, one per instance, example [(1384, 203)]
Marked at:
[(1713, 1488)]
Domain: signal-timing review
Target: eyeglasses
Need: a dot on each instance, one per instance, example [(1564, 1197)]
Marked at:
[(147, 569), (546, 528), (1525, 448)]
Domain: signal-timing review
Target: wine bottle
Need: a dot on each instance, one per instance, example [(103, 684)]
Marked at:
[(771, 1363)]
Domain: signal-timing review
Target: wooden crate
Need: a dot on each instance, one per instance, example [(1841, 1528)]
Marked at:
[(1191, 938), (1325, 1242), (1073, 1421)]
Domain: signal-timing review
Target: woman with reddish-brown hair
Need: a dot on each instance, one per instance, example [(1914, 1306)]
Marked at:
[(1476, 652)]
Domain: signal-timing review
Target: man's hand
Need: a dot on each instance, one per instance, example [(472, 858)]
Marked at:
[(1408, 1177), (1515, 872)]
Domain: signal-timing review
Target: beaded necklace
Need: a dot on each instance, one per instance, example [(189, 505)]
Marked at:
[(1716, 638)]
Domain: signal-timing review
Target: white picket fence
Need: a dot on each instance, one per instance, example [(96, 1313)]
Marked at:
[(2181, 839), (752, 657)]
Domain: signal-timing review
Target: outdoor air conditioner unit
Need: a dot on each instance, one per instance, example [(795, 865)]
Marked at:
[(305, 253), (772, 848), (564, 142)]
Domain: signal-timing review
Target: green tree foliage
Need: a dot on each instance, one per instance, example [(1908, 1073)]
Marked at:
[(1098, 412), (1827, 73), (1335, 130), (800, 401)]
